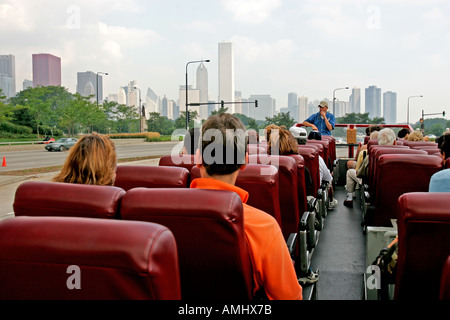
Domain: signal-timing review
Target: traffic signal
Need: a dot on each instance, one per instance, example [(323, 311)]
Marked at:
[(443, 113), (188, 116), (421, 120), (256, 103)]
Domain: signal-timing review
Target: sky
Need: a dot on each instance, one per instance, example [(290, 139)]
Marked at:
[(310, 47)]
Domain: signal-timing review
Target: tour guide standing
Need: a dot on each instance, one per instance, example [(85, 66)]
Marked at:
[(322, 121)]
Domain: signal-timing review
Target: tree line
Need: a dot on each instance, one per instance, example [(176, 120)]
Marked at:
[(53, 110)]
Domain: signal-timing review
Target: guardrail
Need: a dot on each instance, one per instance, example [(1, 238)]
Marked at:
[(22, 142)]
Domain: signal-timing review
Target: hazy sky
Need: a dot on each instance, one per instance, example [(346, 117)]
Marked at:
[(310, 47)]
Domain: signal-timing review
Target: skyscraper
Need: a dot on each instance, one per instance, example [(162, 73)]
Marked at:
[(8, 75), (302, 109), (202, 87), (373, 102), (46, 70), (293, 105), (390, 107), (226, 73), (355, 100), (153, 102), (87, 85)]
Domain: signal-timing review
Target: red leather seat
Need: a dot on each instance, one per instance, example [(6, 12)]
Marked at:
[(186, 161), (423, 244), (288, 190), (444, 292), (128, 177), (377, 153), (371, 152), (418, 143), (331, 148), (293, 205), (311, 158), (67, 258), (262, 184), (209, 231), (37, 198), (326, 151), (254, 149), (398, 174)]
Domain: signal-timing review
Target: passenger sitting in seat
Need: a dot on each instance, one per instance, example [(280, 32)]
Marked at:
[(190, 142), (353, 176), (221, 156), (351, 164), (440, 181), (92, 160), (299, 135), (403, 134), (415, 136)]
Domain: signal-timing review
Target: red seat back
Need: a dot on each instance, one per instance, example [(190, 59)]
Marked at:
[(38, 198), (67, 258), (326, 150), (311, 159), (255, 149), (417, 143), (288, 190), (423, 244), (332, 147), (398, 174), (444, 292), (209, 230), (262, 184), (371, 152), (185, 161), (377, 153), (128, 177)]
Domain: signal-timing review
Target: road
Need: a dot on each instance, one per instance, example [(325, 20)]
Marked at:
[(38, 157)]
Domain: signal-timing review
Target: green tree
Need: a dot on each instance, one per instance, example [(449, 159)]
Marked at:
[(221, 110), (159, 123), (180, 122), (356, 118), (6, 110), (281, 119)]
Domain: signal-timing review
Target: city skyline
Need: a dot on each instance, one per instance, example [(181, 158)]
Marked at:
[(307, 47)]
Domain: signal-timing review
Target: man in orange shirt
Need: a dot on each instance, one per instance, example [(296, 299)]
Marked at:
[(221, 155)]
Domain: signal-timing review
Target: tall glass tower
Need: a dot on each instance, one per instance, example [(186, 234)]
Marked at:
[(226, 74), (8, 75), (390, 107), (373, 102)]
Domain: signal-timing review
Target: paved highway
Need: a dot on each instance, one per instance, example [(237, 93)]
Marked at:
[(38, 157)]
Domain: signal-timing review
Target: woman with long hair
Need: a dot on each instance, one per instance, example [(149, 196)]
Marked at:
[(92, 160)]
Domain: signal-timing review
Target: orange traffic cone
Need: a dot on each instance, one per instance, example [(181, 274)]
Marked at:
[(4, 162)]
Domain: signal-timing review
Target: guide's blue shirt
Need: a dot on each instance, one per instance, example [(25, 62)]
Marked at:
[(317, 120)]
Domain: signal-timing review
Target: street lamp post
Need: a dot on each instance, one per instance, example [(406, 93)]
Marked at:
[(105, 73), (334, 91), (407, 112), (140, 110), (186, 88)]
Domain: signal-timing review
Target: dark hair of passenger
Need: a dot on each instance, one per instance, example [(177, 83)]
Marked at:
[(191, 139), (372, 128), (227, 154), (403, 133), (444, 144)]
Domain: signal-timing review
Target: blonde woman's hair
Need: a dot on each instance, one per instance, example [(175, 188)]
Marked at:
[(286, 142), (415, 136), (92, 160)]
